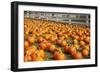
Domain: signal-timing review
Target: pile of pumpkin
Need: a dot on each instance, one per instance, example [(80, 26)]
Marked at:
[(48, 40)]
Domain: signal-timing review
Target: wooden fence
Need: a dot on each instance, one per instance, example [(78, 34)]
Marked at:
[(70, 18)]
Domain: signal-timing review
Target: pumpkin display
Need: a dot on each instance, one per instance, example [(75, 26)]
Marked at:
[(50, 40)]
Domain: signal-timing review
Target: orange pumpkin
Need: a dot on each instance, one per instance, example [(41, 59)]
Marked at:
[(66, 48), (53, 38), (87, 39), (48, 44), (77, 55), (27, 58), (26, 44), (75, 41), (42, 46), (61, 38), (72, 50), (81, 38), (40, 39), (52, 48), (36, 57), (82, 43), (59, 56), (47, 37), (66, 36), (59, 42), (76, 37), (31, 39), (41, 53), (85, 52), (30, 50), (76, 46), (87, 47), (64, 43)]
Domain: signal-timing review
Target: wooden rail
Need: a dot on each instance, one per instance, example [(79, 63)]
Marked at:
[(71, 18)]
